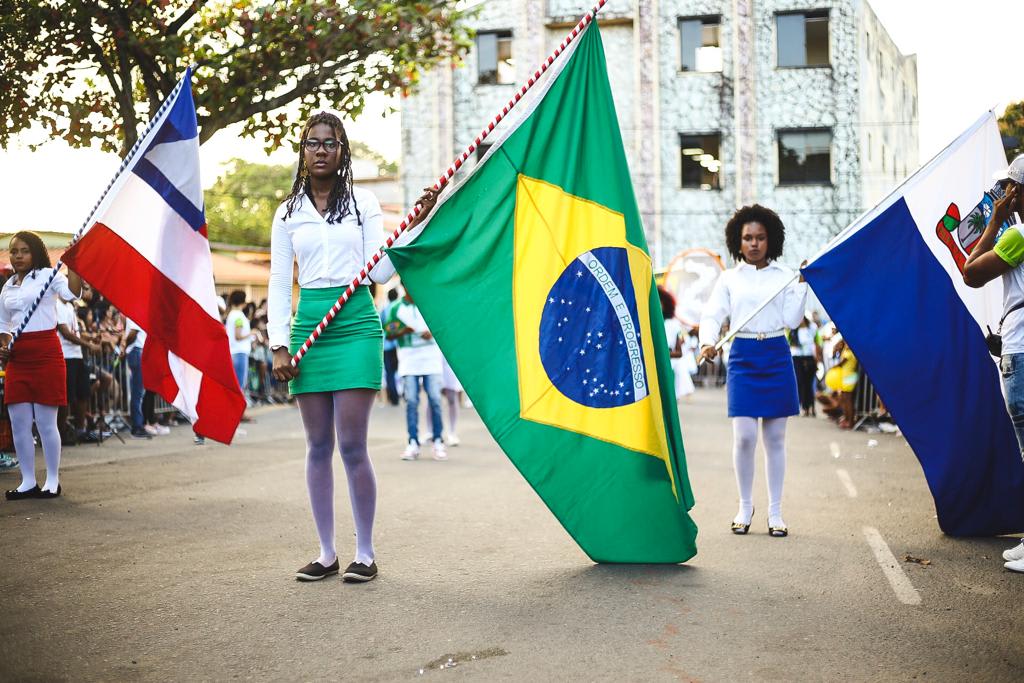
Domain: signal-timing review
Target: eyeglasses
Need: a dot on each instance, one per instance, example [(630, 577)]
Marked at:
[(312, 144)]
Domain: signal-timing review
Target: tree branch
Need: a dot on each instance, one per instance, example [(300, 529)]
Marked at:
[(184, 17), (305, 86)]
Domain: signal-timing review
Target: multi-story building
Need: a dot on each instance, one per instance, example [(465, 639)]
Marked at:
[(805, 106)]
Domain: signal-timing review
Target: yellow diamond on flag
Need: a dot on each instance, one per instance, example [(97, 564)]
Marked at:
[(582, 342)]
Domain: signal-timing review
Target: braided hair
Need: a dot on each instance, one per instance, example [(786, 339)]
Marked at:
[(339, 200)]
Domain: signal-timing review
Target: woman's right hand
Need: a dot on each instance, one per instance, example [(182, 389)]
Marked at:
[(5, 354), (707, 353), (283, 368)]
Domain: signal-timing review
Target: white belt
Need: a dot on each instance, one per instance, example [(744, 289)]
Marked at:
[(760, 336)]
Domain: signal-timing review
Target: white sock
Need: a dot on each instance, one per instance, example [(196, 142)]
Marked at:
[(49, 435), (773, 432), (24, 446), (744, 441)]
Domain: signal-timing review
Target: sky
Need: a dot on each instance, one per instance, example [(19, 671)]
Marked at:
[(968, 60)]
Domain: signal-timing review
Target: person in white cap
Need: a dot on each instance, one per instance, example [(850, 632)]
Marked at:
[(1000, 253)]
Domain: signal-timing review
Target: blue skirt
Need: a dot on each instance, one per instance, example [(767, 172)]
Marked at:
[(761, 380)]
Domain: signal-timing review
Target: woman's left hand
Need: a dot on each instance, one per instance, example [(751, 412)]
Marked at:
[(801, 269), (426, 203), (5, 354)]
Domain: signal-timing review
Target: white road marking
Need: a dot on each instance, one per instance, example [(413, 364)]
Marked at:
[(833, 448), (905, 591), (844, 477)]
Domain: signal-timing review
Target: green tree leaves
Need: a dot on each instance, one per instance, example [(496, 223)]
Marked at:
[(241, 204), (1011, 124), (95, 71)]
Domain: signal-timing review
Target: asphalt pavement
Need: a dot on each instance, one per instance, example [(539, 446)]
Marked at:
[(170, 561)]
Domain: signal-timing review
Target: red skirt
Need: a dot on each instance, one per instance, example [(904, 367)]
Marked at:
[(36, 372)]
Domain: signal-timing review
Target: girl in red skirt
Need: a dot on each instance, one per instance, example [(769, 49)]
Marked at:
[(35, 385)]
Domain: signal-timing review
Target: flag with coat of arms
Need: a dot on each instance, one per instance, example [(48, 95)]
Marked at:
[(534, 277), (147, 252)]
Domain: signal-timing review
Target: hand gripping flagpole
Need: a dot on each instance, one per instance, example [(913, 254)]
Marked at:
[(442, 181), (92, 212)]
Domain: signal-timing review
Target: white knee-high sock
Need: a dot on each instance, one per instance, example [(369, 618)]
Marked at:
[(744, 441), (773, 432), (24, 446), (49, 435)]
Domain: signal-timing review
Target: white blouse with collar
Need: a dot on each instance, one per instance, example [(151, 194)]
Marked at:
[(329, 254), (740, 290), (17, 297)]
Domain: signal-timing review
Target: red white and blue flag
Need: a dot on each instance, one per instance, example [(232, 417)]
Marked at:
[(147, 252), (893, 283)]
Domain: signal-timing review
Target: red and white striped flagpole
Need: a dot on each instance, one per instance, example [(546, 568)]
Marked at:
[(443, 181)]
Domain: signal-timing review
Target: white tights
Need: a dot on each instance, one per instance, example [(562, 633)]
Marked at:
[(45, 417), (773, 434)]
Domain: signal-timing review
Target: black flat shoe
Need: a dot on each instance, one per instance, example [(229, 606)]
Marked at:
[(778, 531), (742, 529), (314, 571), (49, 494), (15, 494), (360, 573)]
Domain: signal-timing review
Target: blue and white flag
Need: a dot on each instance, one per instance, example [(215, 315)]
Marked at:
[(893, 284)]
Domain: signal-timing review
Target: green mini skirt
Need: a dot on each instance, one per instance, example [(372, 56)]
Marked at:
[(349, 354)]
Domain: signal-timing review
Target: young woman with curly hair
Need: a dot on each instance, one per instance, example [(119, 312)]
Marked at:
[(760, 378), (332, 229), (36, 385)]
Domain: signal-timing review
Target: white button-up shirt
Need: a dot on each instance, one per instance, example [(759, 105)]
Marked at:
[(17, 297), (740, 290), (329, 254)]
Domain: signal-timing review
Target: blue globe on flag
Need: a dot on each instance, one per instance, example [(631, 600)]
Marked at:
[(589, 333)]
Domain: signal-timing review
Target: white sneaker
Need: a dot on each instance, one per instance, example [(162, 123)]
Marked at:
[(412, 451), (163, 430), (1015, 566), (1015, 553), (453, 439), (151, 430), (439, 450)]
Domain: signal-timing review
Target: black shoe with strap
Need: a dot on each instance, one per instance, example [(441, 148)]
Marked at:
[(358, 572), (15, 494), (49, 494), (314, 571)]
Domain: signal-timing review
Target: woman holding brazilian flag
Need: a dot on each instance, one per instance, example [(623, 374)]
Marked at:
[(547, 225)]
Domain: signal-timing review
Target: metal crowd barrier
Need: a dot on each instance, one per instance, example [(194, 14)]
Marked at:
[(110, 394), (865, 402)]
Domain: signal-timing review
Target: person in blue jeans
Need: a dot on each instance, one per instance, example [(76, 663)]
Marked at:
[(1000, 253), (135, 339), (419, 364), (240, 336)]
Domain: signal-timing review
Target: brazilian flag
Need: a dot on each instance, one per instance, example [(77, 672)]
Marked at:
[(534, 277)]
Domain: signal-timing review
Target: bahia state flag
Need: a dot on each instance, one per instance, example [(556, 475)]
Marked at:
[(147, 253), (893, 284), (534, 277)]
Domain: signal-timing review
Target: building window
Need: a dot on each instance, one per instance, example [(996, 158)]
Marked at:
[(803, 39), (699, 45), (494, 57), (867, 44), (869, 146), (701, 166), (805, 157)]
